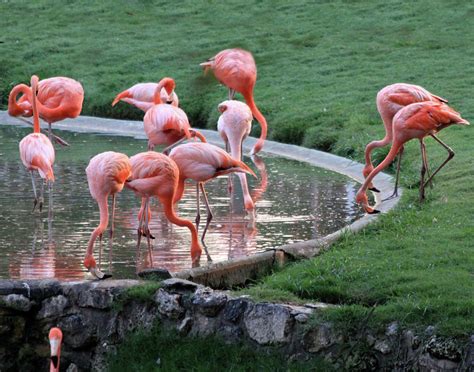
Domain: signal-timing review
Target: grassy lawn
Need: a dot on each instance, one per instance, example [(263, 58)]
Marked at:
[(320, 66)]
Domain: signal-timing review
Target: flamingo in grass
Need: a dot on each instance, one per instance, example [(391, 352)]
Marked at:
[(37, 151), (106, 175), (55, 339), (167, 124), (58, 98), (236, 69), (417, 120), (202, 162), (234, 126), (389, 101), (142, 95), (157, 175)]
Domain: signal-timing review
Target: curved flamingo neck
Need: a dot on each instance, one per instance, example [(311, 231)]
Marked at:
[(104, 221), (248, 96), (174, 218), (34, 90), (166, 83), (14, 109)]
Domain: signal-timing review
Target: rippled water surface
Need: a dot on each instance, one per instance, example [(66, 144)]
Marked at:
[(294, 200)]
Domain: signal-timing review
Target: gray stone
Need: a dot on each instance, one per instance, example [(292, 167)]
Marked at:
[(16, 302), (429, 363), (169, 304), (318, 339), (77, 331), (179, 285), (155, 274), (295, 310), (203, 326), (235, 308), (72, 368), (208, 302), (230, 333), (301, 318), (95, 298), (382, 346), (185, 326), (392, 329), (268, 323), (443, 349), (430, 330), (53, 307)]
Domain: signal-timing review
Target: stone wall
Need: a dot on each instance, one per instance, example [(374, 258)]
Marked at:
[(96, 316)]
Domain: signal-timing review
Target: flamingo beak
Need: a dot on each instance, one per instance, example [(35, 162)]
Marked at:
[(97, 273), (55, 344), (464, 122)]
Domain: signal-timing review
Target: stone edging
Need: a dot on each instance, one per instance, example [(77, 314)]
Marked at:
[(238, 271)]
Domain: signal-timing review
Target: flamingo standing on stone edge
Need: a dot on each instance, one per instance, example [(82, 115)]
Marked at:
[(167, 124), (155, 174), (234, 126), (236, 69), (142, 96), (389, 101), (417, 120), (55, 339), (202, 162), (59, 98), (37, 151), (106, 175)]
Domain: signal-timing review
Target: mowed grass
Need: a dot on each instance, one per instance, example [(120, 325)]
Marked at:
[(320, 65)]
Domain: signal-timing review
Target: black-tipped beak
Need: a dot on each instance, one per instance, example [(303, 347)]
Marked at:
[(374, 189), (169, 102), (375, 211), (55, 361)]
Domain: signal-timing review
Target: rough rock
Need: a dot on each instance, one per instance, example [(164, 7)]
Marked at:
[(235, 308), (53, 307), (185, 326), (433, 364), (443, 349), (169, 304), (301, 318), (16, 302), (382, 346), (155, 274), (179, 285), (318, 339), (95, 298), (77, 331), (268, 323), (208, 302), (203, 326), (392, 329)]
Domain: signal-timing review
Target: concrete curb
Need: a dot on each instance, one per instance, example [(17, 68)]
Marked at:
[(227, 274)]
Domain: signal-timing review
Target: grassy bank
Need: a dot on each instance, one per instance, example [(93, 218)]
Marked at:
[(320, 66)]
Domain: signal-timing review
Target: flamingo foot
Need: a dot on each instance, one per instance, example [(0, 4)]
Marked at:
[(35, 202), (144, 233), (209, 259), (40, 204), (394, 195)]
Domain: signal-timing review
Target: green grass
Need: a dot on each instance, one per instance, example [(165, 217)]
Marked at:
[(176, 353), (320, 66)]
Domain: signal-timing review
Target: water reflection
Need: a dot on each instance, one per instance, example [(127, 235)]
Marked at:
[(294, 202)]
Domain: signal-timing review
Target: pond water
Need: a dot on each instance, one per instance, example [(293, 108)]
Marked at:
[(294, 201)]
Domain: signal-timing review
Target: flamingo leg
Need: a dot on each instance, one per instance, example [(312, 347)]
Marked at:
[(139, 229), (208, 221), (147, 229), (231, 94), (41, 198), (425, 160), (229, 177), (111, 236), (50, 194), (50, 132), (34, 190), (423, 171), (57, 139), (397, 177), (450, 156), (168, 149), (198, 207)]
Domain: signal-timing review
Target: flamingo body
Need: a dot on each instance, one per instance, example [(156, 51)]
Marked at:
[(142, 96), (37, 153), (236, 69), (106, 175)]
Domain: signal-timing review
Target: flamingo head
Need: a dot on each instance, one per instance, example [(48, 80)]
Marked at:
[(222, 107), (196, 252), (91, 266), (209, 64), (55, 339), (361, 198)]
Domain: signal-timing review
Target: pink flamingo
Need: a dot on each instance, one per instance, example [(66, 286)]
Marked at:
[(234, 126), (155, 174), (236, 69), (58, 98), (55, 339), (167, 124), (106, 175), (37, 151), (389, 101), (202, 162), (142, 95), (417, 120)]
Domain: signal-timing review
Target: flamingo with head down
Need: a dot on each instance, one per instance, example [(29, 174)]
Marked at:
[(55, 339), (236, 69), (417, 120)]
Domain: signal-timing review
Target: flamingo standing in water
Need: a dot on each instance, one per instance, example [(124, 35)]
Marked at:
[(142, 95), (59, 98), (236, 69), (106, 175), (202, 162), (167, 124), (417, 120), (55, 339), (155, 174), (234, 126), (389, 101), (37, 151)]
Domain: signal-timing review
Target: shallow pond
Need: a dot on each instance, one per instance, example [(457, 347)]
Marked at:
[(294, 200)]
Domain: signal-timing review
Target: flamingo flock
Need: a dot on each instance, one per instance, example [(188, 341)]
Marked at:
[(407, 111)]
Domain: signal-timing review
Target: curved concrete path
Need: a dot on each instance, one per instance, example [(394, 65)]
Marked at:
[(310, 248)]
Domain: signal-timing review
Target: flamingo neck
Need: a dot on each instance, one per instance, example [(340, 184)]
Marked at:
[(248, 96), (104, 221), (14, 109), (34, 89), (166, 83)]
